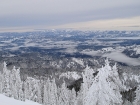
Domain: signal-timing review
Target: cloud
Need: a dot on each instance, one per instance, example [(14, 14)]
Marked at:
[(23, 13), (117, 56), (107, 24)]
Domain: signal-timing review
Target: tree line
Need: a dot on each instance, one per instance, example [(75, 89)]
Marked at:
[(98, 88)]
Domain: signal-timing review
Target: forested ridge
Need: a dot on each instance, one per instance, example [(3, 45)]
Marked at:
[(103, 87)]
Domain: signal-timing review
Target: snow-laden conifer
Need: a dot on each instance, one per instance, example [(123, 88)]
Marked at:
[(99, 88), (64, 95), (6, 80), (87, 81), (137, 98), (105, 89), (47, 92)]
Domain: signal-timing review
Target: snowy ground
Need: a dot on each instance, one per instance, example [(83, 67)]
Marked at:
[(10, 101)]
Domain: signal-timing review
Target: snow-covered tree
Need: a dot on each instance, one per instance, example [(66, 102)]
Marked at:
[(105, 89), (13, 83), (72, 97), (50, 93), (39, 92), (29, 83), (54, 96), (88, 76), (98, 88), (1, 82), (64, 95), (80, 96), (128, 103), (87, 81), (6, 80), (45, 96), (16, 84), (137, 99), (47, 92)]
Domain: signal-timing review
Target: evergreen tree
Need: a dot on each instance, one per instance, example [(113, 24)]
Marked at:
[(105, 89), (1, 82), (101, 88), (18, 85), (47, 92), (80, 96), (87, 81), (13, 83), (54, 96), (137, 100), (6, 81), (72, 97), (64, 95), (39, 88), (45, 97)]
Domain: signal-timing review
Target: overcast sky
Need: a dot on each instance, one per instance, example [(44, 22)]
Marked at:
[(78, 14)]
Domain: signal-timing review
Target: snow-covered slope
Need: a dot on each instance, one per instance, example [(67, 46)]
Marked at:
[(70, 75), (10, 101)]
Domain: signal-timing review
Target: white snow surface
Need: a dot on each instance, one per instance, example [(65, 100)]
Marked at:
[(72, 75), (108, 49), (79, 61), (10, 101), (90, 52), (137, 49)]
